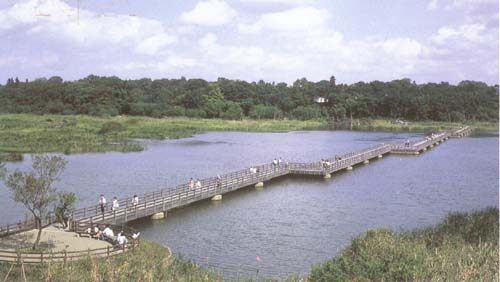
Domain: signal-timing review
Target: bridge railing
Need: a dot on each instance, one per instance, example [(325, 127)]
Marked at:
[(29, 256), (339, 162), (25, 225), (422, 143), (164, 197)]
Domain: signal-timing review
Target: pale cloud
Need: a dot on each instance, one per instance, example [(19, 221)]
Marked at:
[(403, 47), (474, 33), (299, 19), (432, 5), (55, 18), (280, 2), (153, 44), (212, 51), (209, 13), (469, 3)]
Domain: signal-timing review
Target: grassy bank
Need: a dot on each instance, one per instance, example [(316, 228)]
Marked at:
[(150, 262), (24, 133), (419, 126), (78, 134), (464, 247)]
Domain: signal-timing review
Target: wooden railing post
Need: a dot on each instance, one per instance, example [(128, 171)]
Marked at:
[(107, 251), (126, 208)]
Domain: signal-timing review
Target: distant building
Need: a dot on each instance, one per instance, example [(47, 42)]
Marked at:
[(320, 100)]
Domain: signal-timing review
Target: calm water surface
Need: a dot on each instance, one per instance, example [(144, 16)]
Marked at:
[(293, 222)]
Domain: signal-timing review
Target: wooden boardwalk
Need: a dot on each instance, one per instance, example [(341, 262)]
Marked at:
[(167, 199), (161, 201)]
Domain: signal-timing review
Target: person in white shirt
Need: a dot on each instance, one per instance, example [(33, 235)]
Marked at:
[(108, 233), (135, 201), (102, 203), (198, 184), (115, 205), (122, 240)]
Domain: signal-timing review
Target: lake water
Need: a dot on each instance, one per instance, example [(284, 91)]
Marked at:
[(293, 222)]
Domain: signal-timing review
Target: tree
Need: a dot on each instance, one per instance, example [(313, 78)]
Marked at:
[(264, 112), (34, 189), (233, 111)]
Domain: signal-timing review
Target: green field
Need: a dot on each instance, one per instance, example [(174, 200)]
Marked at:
[(79, 134), (25, 133), (419, 126)]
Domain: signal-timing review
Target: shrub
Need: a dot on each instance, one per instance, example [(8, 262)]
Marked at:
[(111, 126), (263, 112), (305, 113), (464, 247), (174, 111), (196, 113), (233, 111)]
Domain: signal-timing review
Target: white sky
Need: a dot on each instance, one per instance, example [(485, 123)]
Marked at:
[(273, 40)]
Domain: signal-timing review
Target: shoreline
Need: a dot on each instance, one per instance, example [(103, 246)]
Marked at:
[(26, 133)]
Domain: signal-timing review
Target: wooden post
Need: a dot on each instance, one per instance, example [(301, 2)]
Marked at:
[(163, 203), (126, 208), (65, 256), (107, 252), (41, 257)]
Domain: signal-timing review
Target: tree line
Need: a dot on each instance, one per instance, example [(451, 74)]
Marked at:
[(237, 99)]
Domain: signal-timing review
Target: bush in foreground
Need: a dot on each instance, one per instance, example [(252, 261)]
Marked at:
[(464, 247)]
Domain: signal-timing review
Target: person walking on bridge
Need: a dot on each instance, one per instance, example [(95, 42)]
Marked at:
[(198, 184), (102, 203), (219, 182), (135, 201), (191, 183), (115, 205)]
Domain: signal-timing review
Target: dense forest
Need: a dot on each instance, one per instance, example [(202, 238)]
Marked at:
[(236, 99)]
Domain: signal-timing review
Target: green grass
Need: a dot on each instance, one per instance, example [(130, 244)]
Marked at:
[(419, 126), (464, 247), (25, 133), (147, 263), (78, 134)]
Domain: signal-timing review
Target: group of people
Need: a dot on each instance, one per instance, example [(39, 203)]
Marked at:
[(407, 143), (325, 163), (107, 234), (277, 162), (115, 204), (194, 184)]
